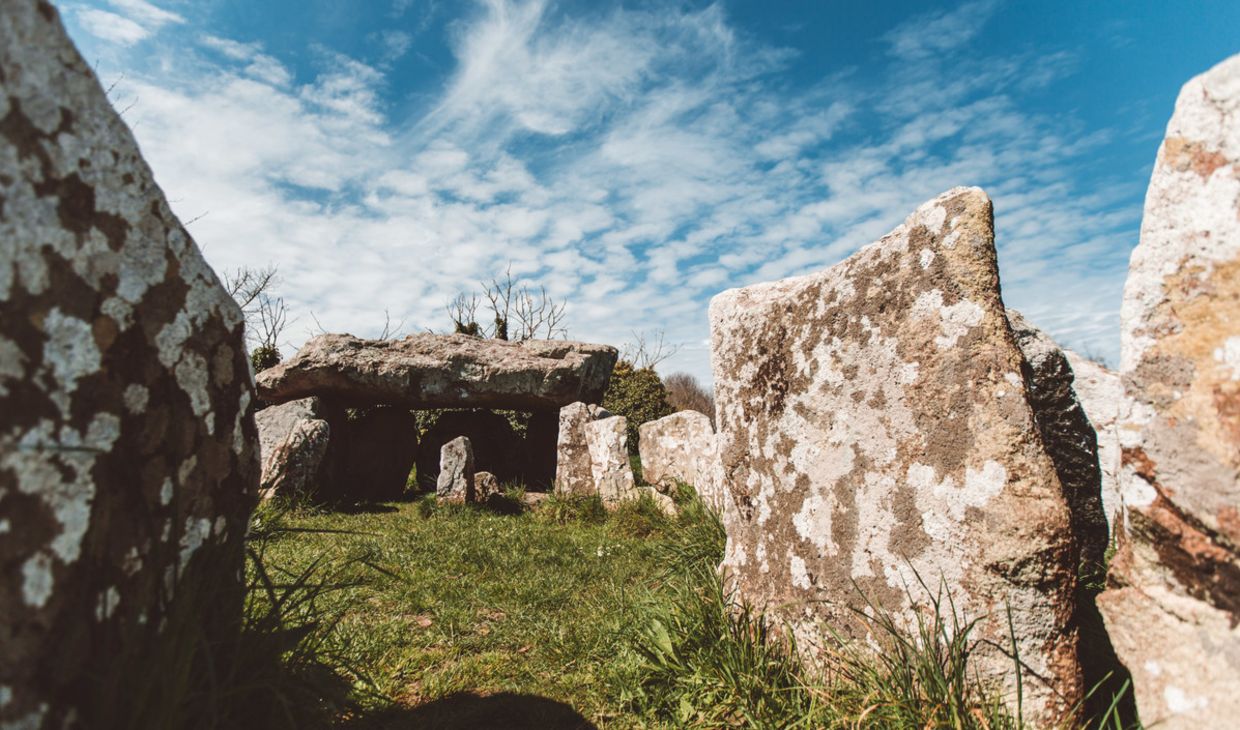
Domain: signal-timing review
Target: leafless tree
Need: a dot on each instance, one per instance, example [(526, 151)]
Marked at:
[(685, 393), (648, 350), (463, 310), (389, 332), (518, 311), (265, 314)]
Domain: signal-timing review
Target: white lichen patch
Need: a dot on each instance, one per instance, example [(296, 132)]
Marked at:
[(196, 533), (11, 363), (955, 320), (69, 353), (136, 398), (813, 523), (926, 258), (944, 504), (1228, 355), (800, 575), (1180, 702), (37, 580), (107, 603), (165, 492)]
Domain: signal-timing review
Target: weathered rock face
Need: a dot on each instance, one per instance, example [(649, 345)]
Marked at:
[(874, 427), (485, 486), (573, 474), (456, 471), (128, 454), (607, 443), (1069, 438), (376, 454), (1101, 394), (443, 371), (681, 448), (1172, 606), (497, 448), (293, 440)]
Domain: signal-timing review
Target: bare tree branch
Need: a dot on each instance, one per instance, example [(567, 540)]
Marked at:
[(648, 351)]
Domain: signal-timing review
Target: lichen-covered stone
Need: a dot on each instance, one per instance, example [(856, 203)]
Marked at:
[(442, 371), (681, 448), (573, 474), (875, 430), (128, 452), (486, 485), (293, 439), (1101, 394), (1069, 437), (607, 443), (456, 471), (1172, 606)]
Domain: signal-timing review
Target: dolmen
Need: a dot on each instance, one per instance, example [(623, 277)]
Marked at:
[(364, 391)]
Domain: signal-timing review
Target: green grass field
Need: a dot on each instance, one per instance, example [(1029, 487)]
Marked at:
[(419, 615)]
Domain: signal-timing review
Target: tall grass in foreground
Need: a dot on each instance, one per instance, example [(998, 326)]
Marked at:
[(711, 662)]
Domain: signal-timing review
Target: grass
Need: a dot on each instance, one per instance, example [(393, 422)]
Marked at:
[(417, 614)]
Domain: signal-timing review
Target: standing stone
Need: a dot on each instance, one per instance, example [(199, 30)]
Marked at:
[(875, 432), (1069, 438), (1101, 394), (486, 485), (293, 440), (128, 453), (497, 448), (1172, 606), (378, 449), (681, 448), (607, 442), (456, 471), (573, 473)]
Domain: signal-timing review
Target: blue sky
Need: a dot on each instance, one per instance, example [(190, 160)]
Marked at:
[(637, 158)]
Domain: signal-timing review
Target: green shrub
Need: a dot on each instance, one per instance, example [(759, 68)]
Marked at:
[(263, 357), (639, 395)]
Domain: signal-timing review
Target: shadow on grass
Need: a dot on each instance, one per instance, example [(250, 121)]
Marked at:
[(469, 711)]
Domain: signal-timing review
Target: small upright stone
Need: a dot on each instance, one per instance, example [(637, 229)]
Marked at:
[(607, 442), (293, 440), (486, 485), (681, 448), (1172, 604), (573, 474), (456, 471)]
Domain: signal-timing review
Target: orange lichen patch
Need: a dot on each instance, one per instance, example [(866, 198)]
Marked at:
[(1183, 154), (1204, 305), (1206, 570)]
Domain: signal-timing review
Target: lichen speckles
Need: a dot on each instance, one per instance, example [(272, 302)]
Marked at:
[(887, 437), (110, 311), (955, 319)]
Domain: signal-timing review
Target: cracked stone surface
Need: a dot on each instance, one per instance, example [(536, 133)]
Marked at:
[(442, 371), (874, 426), (293, 439), (1172, 604), (128, 452), (681, 448), (1101, 394), (1069, 437)]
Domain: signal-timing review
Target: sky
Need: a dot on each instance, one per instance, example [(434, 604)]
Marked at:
[(637, 158)]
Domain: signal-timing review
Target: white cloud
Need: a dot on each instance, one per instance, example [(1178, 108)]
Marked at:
[(635, 163), (111, 27)]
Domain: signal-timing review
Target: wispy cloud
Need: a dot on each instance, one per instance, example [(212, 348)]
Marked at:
[(128, 22), (634, 162)]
